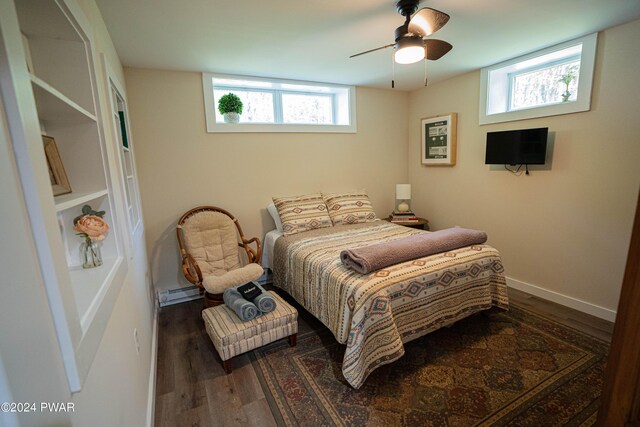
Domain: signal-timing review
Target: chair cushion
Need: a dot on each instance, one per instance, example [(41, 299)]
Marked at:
[(231, 336), (212, 241), (217, 284)]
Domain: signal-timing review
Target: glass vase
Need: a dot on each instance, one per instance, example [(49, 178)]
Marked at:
[(90, 254)]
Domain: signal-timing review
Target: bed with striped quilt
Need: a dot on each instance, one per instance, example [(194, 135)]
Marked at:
[(374, 314)]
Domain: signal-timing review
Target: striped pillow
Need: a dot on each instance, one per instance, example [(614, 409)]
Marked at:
[(349, 208), (302, 213)]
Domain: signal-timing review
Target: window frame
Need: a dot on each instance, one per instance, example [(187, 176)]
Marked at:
[(585, 84), (214, 126)]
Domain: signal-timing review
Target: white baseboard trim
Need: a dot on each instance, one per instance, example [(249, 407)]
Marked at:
[(575, 303), (151, 398)]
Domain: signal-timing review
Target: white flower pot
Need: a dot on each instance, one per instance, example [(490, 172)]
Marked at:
[(231, 117)]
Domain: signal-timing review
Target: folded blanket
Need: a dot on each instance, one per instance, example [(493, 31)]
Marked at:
[(370, 258), (243, 308), (265, 302)]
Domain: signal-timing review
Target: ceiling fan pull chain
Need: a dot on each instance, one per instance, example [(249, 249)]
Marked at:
[(425, 70), (393, 71)]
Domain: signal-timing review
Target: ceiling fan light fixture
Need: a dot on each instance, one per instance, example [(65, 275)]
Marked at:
[(409, 50)]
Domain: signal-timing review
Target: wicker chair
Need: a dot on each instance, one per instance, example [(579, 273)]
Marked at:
[(210, 255)]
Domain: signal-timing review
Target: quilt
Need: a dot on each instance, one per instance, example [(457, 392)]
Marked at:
[(374, 314)]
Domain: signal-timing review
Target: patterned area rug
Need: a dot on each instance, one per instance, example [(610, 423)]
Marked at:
[(499, 368)]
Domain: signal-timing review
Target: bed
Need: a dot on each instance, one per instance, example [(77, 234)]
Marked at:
[(374, 314)]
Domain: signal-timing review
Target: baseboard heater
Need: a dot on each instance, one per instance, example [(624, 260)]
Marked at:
[(189, 293), (176, 296)]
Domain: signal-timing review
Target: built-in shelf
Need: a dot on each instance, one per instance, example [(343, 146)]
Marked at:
[(89, 285), (58, 48), (53, 105), (66, 201)]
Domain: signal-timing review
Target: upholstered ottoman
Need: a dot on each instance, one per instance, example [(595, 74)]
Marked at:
[(231, 336)]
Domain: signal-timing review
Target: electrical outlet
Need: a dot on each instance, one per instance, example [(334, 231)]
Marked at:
[(136, 340)]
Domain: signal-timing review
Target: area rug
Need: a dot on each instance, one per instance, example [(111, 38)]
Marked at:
[(497, 368)]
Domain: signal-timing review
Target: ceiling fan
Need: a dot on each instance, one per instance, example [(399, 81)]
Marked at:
[(409, 45)]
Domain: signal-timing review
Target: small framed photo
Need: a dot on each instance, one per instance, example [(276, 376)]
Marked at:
[(439, 140), (57, 175)]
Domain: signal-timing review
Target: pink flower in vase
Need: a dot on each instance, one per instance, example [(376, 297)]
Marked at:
[(93, 226)]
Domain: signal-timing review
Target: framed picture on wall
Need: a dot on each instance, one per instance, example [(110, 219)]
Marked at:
[(439, 140), (57, 175)]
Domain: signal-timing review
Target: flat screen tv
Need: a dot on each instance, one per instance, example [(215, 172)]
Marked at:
[(517, 147)]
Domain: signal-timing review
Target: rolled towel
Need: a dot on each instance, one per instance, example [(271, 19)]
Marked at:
[(243, 308), (374, 257), (265, 302)]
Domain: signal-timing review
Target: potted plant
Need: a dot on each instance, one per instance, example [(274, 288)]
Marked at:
[(567, 79), (230, 106)]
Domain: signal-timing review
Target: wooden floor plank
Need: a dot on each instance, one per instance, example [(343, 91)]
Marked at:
[(225, 405), (165, 383), (259, 414), (165, 410), (196, 417), (246, 380), (583, 322)]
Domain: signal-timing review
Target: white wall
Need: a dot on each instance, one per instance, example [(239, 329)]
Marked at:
[(115, 392), (181, 166), (566, 227)]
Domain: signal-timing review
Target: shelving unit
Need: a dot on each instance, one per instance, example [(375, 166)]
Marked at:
[(66, 103), (56, 44)]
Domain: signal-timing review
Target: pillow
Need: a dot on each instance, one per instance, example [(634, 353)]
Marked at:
[(274, 214), (349, 208), (302, 213)]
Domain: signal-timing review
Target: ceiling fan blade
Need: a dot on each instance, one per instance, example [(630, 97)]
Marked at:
[(436, 49), (427, 21), (372, 50)]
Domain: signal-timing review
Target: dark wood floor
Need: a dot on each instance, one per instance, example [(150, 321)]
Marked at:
[(193, 390)]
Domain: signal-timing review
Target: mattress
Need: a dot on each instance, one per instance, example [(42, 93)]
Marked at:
[(374, 314)]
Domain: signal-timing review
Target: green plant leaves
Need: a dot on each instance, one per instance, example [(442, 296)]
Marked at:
[(230, 103), (87, 210)]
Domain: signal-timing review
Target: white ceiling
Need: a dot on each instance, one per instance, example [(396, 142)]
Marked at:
[(312, 39)]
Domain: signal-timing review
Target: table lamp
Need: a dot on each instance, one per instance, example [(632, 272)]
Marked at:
[(403, 198)]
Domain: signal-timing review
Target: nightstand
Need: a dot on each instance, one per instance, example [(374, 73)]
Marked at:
[(422, 224)]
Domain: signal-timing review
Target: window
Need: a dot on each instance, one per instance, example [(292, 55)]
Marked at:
[(121, 122), (307, 108), (257, 105), (545, 86), (271, 105), (552, 81)]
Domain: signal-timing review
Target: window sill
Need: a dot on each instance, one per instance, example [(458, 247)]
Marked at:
[(284, 128), (535, 112)]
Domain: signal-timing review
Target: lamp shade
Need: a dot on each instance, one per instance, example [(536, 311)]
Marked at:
[(403, 191), (409, 50)]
